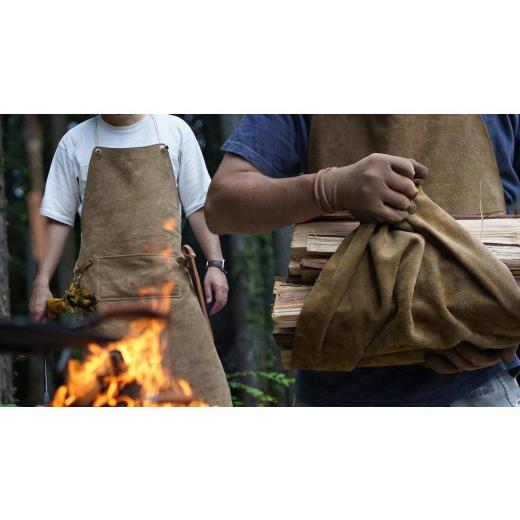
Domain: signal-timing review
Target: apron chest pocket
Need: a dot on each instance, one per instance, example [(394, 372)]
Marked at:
[(120, 277)]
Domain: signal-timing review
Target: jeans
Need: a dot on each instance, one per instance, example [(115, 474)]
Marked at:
[(500, 390)]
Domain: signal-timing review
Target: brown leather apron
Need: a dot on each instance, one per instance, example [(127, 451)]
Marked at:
[(392, 293), (456, 149), (130, 194)]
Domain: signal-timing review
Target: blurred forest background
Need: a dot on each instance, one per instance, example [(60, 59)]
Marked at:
[(243, 330)]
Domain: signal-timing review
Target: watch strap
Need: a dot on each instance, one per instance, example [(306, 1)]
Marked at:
[(217, 263)]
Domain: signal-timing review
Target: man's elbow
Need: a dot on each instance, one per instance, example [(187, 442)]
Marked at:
[(214, 209)]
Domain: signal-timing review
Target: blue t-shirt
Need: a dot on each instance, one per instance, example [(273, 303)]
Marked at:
[(278, 146)]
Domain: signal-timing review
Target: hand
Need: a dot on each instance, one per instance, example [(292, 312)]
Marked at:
[(378, 187), (38, 302), (467, 357), (216, 289)]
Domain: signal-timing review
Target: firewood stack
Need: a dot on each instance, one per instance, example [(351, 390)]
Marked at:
[(313, 243)]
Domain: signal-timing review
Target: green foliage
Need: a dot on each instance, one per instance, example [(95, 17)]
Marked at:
[(279, 378), (262, 398), (256, 270)]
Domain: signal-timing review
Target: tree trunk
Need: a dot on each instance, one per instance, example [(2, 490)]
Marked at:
[(6, 370), (59, 124), (34, 151), (33, 140)]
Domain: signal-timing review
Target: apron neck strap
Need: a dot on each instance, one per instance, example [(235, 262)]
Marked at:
[(96, 131), (156, 129)]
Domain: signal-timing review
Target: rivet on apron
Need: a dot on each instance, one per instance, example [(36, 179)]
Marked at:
[(97, 151), (164, 148)]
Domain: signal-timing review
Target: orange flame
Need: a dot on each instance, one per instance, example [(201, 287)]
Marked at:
[(169, 224), (129, 372)]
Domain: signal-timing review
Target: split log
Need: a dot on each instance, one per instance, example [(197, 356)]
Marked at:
[(288, 303), (329, 228), (320, 239)]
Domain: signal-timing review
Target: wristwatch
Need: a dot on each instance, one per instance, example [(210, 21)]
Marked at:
[(217, 263)]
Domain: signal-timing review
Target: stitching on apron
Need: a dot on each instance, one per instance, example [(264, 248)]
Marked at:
[(179, 294)]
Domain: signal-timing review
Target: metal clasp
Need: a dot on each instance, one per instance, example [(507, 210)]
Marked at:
[(79, 270)]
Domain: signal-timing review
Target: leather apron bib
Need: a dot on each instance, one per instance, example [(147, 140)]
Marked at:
[(464, 177), (130, 194)]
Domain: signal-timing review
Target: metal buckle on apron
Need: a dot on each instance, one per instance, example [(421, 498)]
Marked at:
[(79, 270)]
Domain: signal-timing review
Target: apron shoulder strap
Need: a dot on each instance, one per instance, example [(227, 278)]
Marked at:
[(156, 129), (96, 132)]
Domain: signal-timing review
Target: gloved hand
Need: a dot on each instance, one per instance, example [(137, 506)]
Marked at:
[(467, 357), (378, 187)]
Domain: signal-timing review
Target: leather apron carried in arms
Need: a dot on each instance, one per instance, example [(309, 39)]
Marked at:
[(131, 194), (393, 292)]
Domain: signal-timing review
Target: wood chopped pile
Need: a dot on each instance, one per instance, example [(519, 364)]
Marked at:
[(313, 243)]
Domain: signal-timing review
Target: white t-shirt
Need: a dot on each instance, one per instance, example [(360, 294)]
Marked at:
[(65, 187)]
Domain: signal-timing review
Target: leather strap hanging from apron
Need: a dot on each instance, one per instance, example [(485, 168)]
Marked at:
[(131, 203), (392, 293), (189, 257)]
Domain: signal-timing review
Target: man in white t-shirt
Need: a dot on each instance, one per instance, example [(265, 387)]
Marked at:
[(149, 161), (65, 190)]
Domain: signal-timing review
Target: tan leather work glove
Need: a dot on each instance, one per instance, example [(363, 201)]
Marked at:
[(467, 357), (378, 187)]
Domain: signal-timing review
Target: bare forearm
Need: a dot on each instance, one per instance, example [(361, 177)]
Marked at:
[(57, 234), (215, 283), (242, 200), (209, 242)]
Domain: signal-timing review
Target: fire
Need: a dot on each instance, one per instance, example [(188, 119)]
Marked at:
[(169, 224), (128, 372)]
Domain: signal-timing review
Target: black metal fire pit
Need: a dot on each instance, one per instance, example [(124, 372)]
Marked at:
[(20, 336)]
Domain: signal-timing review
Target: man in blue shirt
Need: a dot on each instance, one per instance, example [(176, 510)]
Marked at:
[(259, 187)]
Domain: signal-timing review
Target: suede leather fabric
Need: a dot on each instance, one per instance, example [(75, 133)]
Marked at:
[(130, 195), (392, 293), (455, 148)]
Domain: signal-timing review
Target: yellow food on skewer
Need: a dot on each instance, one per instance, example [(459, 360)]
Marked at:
[(74, 300), (56, 306)]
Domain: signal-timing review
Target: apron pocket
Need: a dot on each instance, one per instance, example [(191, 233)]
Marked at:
[(120, 277)]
